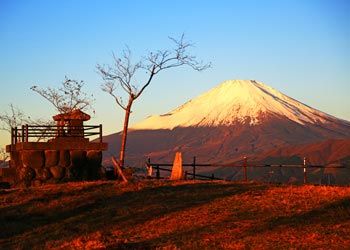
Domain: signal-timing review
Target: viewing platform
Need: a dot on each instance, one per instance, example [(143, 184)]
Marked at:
[(68, 150)]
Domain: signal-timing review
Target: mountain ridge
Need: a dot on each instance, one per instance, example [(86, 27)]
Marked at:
[(242, 101)]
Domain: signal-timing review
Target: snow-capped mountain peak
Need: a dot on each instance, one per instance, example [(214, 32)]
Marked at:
[(235, 101)]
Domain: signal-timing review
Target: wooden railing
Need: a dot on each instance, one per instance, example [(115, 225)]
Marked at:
[(28, 133), (244, 165)]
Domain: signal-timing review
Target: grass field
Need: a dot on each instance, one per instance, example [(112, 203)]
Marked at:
[(160, 214)]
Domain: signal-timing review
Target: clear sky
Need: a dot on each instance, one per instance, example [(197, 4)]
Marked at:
[(299, 47)]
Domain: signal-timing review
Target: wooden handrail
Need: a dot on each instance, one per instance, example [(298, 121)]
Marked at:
[(54, 131)]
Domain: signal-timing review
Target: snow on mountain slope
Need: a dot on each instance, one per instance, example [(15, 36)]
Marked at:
[(235, 101)]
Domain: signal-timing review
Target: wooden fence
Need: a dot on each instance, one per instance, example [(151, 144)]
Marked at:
[(44, 132), (244, 165)]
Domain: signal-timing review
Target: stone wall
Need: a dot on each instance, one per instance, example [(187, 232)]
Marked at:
[(36, 167)]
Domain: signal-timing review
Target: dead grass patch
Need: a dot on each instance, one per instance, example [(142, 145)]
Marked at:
[(152, 214)]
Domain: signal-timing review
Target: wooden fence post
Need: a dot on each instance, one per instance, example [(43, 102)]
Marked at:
[(22, 133), (17, 137), (13, 138), (27, 133), (194, 167), (245, 169), (305, 174), (158, 173), (100, 133)]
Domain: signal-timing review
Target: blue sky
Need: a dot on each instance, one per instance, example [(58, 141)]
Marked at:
[(299, 47)]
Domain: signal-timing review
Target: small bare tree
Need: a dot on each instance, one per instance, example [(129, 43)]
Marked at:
[(122, 73), (68, 97), (8, 120), (3, 157), (16, 117)]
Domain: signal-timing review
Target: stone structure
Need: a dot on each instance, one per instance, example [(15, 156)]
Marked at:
[(66, 155), (176, 172)]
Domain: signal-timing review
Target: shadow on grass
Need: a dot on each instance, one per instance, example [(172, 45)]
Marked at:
[(35, 207), (330, 213), (333, 213), (64, 214)]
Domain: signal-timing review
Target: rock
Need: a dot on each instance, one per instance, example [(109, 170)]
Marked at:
[(37, 183), (77, 169), (93, 166), (78, 158), (64, 158), (33, 158), (43, 174), (26, 175), (94, 156), (57, 172), (72, 173), (52, 158)]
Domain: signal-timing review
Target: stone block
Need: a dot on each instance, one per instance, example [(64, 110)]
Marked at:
[(52, 158), (43, 174), (57, 172), (33, 158), (64, 160), (78, 158)]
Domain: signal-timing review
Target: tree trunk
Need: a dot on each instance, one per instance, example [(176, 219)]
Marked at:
[(125, 132)]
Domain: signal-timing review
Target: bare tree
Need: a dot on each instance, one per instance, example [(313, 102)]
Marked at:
[(3, 157), (68, 97), (16, 117), (12, 119), (123, 73), (8, 120)]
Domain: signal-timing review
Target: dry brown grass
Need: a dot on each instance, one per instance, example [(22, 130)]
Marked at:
[(153, 214)]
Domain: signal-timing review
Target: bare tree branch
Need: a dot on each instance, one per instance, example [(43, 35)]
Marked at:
[(15, 118), (3, 157), (68, 97), (123, 74)]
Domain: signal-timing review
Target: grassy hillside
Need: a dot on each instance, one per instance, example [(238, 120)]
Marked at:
[(152, 214)]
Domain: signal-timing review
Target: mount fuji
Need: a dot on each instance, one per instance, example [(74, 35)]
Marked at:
[(232, 102), (235, 119)]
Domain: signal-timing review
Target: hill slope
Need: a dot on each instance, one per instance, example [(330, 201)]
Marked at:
[(332, 152), (175, 215)]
